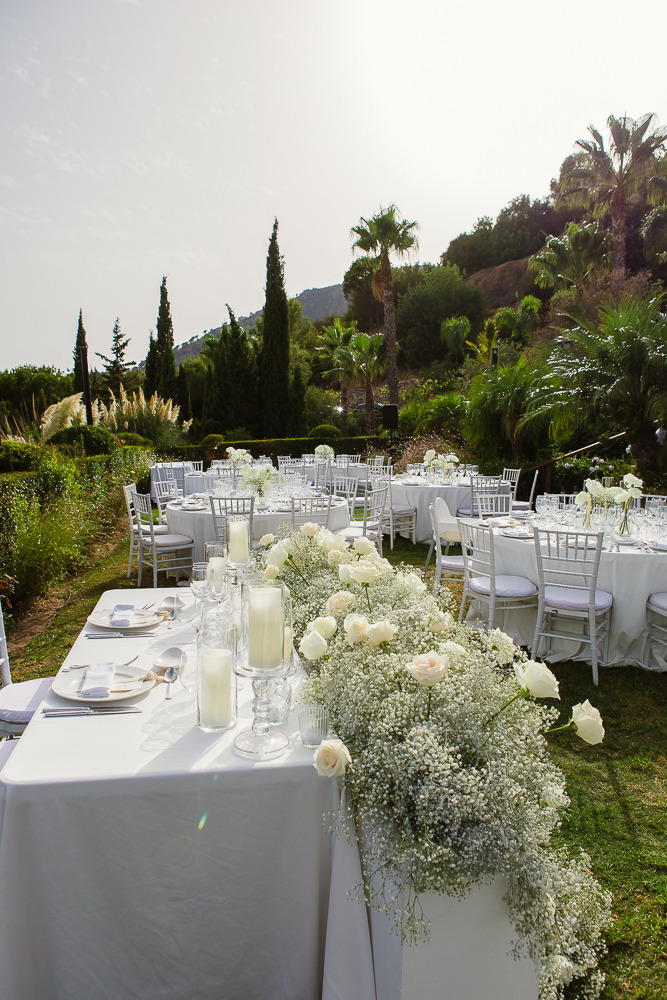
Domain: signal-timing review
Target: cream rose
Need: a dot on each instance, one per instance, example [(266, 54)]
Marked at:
[(334, 557), (313, 645), (588, 723), (332, 542), (455, 652), (331, 758), (326, 626), (630, 480), (536, 679), (363, 573), (429, 668), (437, 626), (267, 539), (363, 546), (310, 528), (414, 583), (355, 627), (277, 556), (271, 572), (344, 573), (382, 631), (429, 455), (341, 601)]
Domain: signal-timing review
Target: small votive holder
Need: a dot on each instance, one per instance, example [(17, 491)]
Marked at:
[(313, 725)]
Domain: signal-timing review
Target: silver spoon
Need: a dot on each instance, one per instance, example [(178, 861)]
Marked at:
[(170, 657), (170, 676)]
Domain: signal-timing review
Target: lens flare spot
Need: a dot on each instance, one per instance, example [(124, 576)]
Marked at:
[(200, 825)]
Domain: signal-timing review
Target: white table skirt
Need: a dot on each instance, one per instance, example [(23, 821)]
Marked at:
[(630, 576), (422, 497), (199, 526)]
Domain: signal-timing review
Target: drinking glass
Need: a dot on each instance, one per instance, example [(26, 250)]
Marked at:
[(199, 583), (313, 725), (216, 559)]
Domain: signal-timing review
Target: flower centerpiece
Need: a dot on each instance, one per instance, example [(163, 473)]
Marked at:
[(610, 496), (632, 490), (324, 452), (259, 477), (240, 456), (441, 747)]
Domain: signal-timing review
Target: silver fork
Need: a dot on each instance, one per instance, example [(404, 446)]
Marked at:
[(83, 666)]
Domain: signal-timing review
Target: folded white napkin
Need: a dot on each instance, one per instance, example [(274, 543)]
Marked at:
[(121, 616), (98, 680)]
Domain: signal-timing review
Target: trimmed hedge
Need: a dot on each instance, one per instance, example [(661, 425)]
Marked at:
[(18, 456), (215, 446), (90, 440)]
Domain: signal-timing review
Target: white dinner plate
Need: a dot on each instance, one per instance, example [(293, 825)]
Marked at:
[(516, 533), (68, 685), (102, 619)]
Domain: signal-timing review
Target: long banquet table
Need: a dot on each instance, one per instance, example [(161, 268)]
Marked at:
[(630, 576), (198, 524)]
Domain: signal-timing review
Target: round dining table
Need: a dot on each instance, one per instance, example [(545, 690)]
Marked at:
[(630, 575), (410, 492), (198, 524)]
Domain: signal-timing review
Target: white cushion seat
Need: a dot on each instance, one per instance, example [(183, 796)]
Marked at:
[(158, 529), (452, 563), (466, 512), (506, 586), (19, 702), (521, 505), (356, 530), (571, 599), (165, 541), (396, 509), (659, 601)]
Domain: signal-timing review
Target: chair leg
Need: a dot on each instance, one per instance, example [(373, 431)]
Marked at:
[(594, 645), (428, 559), (492, 614), (464, 600), (155, 568), (438, 572), (140, 558), (538, 629), (129, 562)]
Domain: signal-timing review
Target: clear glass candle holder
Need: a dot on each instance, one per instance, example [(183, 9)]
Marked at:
[(238, 539), (216, 559), (216, 677), (313, 725)]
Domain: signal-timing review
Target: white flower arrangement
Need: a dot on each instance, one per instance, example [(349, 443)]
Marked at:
[(259, 477), (610, 496), (441, 748), (324, 451), (241, 455), (442, 462)]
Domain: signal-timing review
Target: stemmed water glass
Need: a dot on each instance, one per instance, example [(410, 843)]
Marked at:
[(199, 583), (217, 570)]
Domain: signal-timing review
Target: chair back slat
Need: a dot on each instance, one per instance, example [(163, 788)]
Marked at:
[(315, 509), (224, 507), (492, 504), (478, 550), (568, 559)]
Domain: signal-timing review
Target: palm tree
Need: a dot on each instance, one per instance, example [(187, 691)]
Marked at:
[(617, 370), (379, 236), (334, 345), (606, 178), (571, 258), (498, 400), (366, 362)]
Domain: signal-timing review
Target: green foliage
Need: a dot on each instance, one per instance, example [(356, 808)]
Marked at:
[(445, 413), (321, 406), (129, 438), (518, 232), (77, 376), (325, 431), (215, 446), (498, 399), (183, 394), (568, 260), (20, 385), (167, 380), (442, 293), (364, 309), (231, 395), (116, 368), (151, 370), (297, 404), (569, 475), (82, 437), (275, 348), (17, 456)]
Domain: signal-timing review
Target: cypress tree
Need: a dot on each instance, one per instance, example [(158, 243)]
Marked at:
[(212, 408), (167, 379), (151, 372), (275, 352), (80, 342), (297, 401), (183, 394), (116, 367), (240, 378)]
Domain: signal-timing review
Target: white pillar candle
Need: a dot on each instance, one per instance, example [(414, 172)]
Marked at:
[(265, 628), (287, 647), (216, 572), (238, 545), (215, 692)]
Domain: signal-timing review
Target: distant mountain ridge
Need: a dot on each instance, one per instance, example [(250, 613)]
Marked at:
[(315, 302)]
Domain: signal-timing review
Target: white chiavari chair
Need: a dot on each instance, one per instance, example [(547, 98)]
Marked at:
[(498, 591), (157, 550)]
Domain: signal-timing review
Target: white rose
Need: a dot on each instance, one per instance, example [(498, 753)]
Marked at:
[(363, 573), (310, 528), (429, 455), (344, 573), (382, 631), (588, 723), (502, 645), (630, 480), (356, 627), (372, 558), (437, 626), (581, 498), (622, 496), (429, 668), (536, 679), (334, 557), (325, 626), (271, 572), (455, 652), (267, 539), (331, 758), (341, 601), (313, 645), (363, 546), (414, 583), (277, 556), (332, 542)]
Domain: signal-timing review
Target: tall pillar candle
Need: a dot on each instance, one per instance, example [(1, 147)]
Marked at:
[(265, 628), (215, 689), (237, 542)]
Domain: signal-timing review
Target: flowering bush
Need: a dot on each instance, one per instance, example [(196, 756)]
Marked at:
[(448, 772)]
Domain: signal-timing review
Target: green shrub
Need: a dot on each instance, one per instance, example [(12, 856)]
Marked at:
[(17, 456), (83, 437), (129, 438), (324, 430)]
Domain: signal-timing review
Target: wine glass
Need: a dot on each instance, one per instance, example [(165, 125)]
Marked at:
[(216, 559), (199, 582)]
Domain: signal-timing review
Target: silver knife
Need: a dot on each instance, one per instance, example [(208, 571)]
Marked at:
[(118, 635), (56, 713)]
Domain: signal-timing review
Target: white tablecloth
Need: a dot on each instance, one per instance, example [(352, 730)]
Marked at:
[(422, 497), (358, 471), (630, 576), (198, 482), (199, 526)]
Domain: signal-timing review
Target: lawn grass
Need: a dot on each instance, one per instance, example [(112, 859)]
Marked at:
[(618, 789)]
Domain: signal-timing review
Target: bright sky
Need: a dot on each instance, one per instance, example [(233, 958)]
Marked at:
[(142, 137)]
